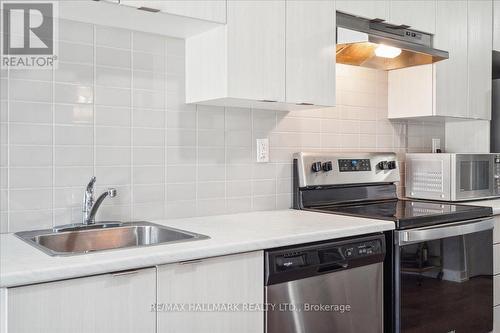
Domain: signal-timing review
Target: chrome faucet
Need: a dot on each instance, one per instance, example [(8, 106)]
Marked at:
[(90, 206)]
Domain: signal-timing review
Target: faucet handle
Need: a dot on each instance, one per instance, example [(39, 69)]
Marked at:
[(90, 185), (111, 192)]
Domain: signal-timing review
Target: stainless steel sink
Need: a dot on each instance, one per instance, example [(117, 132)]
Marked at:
[(104, 236)]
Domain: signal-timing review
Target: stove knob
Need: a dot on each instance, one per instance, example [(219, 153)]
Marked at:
[(392, 165), (384, 165), (316, 167), (327, 166)]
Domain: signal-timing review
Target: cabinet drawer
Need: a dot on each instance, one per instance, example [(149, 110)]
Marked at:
[(110, 303)]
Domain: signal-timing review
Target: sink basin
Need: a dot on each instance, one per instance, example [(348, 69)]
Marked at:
[(104, 236)]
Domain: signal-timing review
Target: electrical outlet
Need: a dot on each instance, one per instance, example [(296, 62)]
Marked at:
[(262, 150)]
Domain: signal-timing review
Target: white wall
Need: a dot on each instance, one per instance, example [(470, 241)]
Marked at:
[(114, 108)]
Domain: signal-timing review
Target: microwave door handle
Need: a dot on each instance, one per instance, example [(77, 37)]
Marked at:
[(444, 231)]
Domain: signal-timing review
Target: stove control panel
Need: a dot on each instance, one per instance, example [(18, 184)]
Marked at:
[(352, 165), (319, 169)]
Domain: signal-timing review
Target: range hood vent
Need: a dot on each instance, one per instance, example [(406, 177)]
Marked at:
[(377, 44)]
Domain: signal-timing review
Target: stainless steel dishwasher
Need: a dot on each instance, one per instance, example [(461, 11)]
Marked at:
[(334, 286)]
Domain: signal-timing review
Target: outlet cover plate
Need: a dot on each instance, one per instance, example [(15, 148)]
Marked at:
[(262, 150)]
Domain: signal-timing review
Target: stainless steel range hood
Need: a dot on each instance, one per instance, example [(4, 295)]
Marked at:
[(377, 44)]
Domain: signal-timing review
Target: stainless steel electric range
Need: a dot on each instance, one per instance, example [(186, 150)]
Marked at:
[(438, 270)]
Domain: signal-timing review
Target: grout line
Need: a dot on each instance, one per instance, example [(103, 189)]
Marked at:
[(132, 212), (8, 150), (53, 146), (253, 144), (165, 137), (94, 109), (196, 161), (225, 159)]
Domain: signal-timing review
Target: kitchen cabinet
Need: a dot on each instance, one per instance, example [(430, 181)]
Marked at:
[(180, 19), (365, 8), (249, 62), (496, 25), (310, 52), (451, 85), (117, 302), (228, 280), (418, 14), (210, 10), (241, 62), (459, 87), (480, 22)]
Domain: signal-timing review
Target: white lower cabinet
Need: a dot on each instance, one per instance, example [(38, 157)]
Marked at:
[(110, 303), (187, 292)]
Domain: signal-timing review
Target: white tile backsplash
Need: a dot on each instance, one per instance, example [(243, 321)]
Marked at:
[(114, 108)]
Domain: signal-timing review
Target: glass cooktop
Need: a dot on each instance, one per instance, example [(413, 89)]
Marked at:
[(410, 213)]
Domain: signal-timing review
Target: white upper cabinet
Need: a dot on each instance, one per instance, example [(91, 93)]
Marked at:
[(366, 8), (233, 279), (271, 54), (479, 50), (310, 52), (181, 19), (210, 10), (451, 87), (418, 14), (256, 49), (243, 62), (459, 87), (109, 303), (496, 25)]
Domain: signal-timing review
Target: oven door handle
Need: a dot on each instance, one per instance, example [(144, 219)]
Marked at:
[(444, 231)]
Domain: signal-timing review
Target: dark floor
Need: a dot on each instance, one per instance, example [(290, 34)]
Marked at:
[(438, 306)]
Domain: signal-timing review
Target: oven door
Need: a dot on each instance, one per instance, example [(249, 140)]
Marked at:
[(473, 176), (444, 278)]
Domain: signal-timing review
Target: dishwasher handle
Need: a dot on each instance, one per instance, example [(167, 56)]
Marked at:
[(333, 267), (444, 231)]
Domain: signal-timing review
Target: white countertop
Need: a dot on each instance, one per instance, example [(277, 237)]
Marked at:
[(22, 264), (495, 204)]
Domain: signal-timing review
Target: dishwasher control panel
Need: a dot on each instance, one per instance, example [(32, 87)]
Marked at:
[(362, 249), (288, 263)]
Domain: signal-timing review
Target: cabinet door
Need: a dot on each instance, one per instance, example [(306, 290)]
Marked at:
[(480, 30), (235, 279), (496, 25), (111, 303), (418, 14), (310, 52), (452, 74), (366, 8), (256, 49), (410, 92), (210, 10)]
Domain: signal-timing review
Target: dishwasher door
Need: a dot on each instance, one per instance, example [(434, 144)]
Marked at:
[(334, 287), (290, 307)]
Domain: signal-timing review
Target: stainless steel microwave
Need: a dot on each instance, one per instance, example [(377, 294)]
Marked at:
[(452, 177)]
